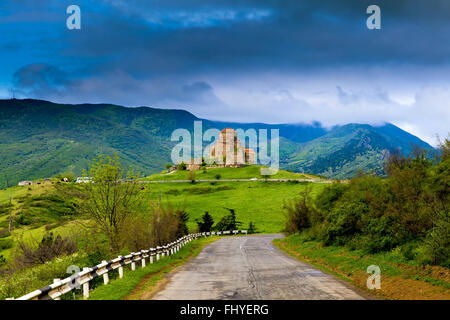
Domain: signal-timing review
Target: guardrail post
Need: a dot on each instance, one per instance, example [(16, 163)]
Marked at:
[(143, 262), (55, 281), (121, 268), (133, 264), (105, 275), (86, 287), (157, 252)]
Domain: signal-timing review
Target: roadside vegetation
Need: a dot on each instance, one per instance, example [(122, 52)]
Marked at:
[(405, 219), (101, 220)]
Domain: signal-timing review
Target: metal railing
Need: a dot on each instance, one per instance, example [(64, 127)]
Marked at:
[(81, 279)]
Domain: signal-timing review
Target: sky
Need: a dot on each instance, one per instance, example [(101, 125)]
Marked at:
[(273, 61)]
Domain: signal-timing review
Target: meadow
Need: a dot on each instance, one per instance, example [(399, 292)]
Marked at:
[(259, 202)]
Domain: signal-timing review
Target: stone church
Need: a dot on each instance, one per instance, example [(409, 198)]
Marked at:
[(227, 152)]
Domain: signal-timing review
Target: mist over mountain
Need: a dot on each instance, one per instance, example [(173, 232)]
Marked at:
[(41, 139)]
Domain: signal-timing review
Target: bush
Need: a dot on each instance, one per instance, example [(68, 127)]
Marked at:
[(2, 260), (298, 213), (407, 212), (6, 244), (23, 219), (50, 247), (191, 176), (218, 176), (24, 281)]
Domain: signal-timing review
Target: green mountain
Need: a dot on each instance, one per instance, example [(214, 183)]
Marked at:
[(41, 139), (346, 149)]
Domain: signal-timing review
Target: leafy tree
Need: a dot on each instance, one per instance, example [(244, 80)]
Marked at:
[(206, 224), (112, 198), (168, 166)]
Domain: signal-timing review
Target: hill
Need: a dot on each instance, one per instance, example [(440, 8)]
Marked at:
[(246, 172), (41, 139), (344, 150)]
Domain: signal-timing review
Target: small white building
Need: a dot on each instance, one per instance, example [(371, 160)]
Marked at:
[(84, 179), (25, 183)]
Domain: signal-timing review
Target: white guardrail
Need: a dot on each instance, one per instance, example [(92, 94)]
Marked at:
[(82, 278)]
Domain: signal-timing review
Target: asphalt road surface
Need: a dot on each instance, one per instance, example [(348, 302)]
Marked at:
[(249, 267)]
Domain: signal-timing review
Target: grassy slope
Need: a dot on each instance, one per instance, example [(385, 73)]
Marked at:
[(34, 231), (137, 283), (246, 172), (399, 279)]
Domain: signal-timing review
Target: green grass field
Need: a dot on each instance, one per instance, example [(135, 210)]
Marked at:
[(257, 201), (246, 172)]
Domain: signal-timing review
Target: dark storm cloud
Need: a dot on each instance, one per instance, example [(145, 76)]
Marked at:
[(40, 77), (152, 38), (246, 60), (143, 38)]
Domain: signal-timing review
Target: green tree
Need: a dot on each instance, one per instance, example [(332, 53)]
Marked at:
[(111, 198), (229, 222), (251, 228), (168, 166), (183, 218), (206, 224)]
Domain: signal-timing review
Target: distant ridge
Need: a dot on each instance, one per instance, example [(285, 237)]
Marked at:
[(40, 139)]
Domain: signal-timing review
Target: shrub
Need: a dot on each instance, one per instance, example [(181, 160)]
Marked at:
[(218, 176), (23, 219), (4, 233), (50, 247), (6, 244), (24, 281), (298, 213), (191, 176)]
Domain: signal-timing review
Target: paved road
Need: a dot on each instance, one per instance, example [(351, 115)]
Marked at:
[(251, 268)]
